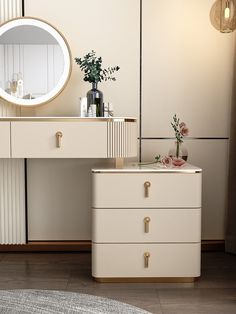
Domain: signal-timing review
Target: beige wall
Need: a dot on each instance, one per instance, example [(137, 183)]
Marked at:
[(187, 69), (111, 28)]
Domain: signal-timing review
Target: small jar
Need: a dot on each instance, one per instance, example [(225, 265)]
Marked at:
[(94, 110)]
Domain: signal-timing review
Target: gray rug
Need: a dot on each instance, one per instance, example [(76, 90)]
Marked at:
[(60, 302)]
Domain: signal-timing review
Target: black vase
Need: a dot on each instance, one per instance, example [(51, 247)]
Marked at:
[(95, 96)]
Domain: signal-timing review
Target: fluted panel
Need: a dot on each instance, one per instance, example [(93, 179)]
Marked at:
[(9, 9), (121, 139), (12, 202), (12, 185), (9, 110)]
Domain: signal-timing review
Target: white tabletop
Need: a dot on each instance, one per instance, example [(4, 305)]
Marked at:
[(68, 119)]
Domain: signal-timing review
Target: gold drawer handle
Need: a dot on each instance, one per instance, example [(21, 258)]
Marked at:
[(146, 224), (146, 259), (58, 138), (147, 185)]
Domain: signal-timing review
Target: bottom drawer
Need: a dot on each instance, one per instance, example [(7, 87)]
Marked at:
[(128, 260)]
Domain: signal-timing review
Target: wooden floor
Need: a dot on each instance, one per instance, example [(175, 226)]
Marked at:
[(214, 293)]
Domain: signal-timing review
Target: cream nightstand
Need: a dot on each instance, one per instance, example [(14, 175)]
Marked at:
[(146, 223)]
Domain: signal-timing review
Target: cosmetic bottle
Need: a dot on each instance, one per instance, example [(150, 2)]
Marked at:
[(20, 86), (94, 109), (99, 104), (83, 107), (90, 113), (106, 113), (13, 85)]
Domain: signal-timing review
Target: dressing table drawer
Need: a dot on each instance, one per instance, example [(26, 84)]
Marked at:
[(5, 139), (146, 225), (145, 260), (142, 190), (59, 139)]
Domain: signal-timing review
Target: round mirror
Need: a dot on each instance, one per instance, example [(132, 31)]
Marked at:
[(35, 61)]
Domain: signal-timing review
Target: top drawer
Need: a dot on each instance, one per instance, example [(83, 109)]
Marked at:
[(41, 139), (127, 190)]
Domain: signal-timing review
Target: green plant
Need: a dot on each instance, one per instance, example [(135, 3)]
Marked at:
[(93, 71)]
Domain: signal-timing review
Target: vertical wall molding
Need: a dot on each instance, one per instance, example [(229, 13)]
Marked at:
[(12, 181), (140, 77)]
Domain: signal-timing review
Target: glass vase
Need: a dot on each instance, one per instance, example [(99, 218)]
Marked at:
[(95, 97), (178, 151)]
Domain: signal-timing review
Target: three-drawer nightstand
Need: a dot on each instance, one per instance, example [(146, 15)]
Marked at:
[(146, 223)]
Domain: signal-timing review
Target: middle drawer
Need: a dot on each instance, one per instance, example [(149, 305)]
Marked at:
[(146, 225)]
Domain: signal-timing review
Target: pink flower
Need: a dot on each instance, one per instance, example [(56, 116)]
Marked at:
[(177, 161), (184, 131), (182, 125), (166, 161)]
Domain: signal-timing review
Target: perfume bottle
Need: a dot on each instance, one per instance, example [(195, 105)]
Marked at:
[(83, 107), (13, 85), (20, 86)]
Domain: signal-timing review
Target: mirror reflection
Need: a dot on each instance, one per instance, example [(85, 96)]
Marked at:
[(31, 62)]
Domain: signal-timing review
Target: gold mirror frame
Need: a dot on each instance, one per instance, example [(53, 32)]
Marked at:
[(60, 86)]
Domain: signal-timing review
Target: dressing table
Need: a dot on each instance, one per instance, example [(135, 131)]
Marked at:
[(146, 221)]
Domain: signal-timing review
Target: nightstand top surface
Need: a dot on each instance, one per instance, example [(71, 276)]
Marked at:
[(139, 168)]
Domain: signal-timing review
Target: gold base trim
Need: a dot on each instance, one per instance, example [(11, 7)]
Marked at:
[(147, 280)]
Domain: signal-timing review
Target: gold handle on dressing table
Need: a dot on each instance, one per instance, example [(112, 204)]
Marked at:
[(147, 185), (146, 259), (58, 139), (146, 224)]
